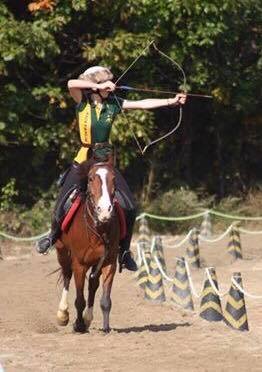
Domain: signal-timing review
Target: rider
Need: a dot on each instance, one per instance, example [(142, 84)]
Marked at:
[(96, 109)]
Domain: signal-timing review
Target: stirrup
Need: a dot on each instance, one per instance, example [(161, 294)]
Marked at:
[(126, 261), (44, 245)]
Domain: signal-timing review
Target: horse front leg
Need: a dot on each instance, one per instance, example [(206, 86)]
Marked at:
[(93, 284), (64, 260), (108, 273), (80, 303)]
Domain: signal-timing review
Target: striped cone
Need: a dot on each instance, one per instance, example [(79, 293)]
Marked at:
[(235, 314), (154, 289), (157, 249), (234, 245), (144, 235), (193, 256), (181, 293), (210, 306), (206, 227), (142, 275)]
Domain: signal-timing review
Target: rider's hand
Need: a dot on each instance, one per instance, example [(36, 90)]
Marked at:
[(180, 99), (107, 85)]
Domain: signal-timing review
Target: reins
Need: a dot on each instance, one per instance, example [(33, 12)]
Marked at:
[(88, 213)]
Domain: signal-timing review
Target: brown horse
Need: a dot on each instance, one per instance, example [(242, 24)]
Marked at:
[(92, 241)]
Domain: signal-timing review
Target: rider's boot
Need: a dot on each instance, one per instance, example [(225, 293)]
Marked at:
[(44, 244), (125, 257)]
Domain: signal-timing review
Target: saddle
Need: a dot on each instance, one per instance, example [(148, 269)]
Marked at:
[(75, 199)]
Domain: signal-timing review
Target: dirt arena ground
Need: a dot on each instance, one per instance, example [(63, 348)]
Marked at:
[(145, 337)]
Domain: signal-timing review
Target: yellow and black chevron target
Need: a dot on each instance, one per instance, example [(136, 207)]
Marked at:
[(234, 245), (206, 227), (235, 314), (181, 292), (158, 250), (193, 254), (210, 306), (154, 289), (142, 275), (144, 235)]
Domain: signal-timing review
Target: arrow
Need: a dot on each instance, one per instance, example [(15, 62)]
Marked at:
[(126, 87)]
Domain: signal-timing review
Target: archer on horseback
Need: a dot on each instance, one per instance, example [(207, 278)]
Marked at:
[(96, 110)]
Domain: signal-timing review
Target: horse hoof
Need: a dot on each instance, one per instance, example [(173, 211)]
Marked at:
[(106, 330), (87, 323), (79, 327), (62, 318)]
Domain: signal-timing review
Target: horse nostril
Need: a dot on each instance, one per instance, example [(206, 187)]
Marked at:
[(98, 209), (109, 208)]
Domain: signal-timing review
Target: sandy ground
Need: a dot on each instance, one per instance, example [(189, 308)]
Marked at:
[(145, 337)]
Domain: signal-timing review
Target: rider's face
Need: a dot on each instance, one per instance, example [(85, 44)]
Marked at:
[(104, 93)]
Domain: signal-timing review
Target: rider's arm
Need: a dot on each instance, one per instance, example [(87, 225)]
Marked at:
[(151, 103), (75, 87)]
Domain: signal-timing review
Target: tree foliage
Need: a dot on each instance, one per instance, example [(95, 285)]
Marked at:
[(218, 43)]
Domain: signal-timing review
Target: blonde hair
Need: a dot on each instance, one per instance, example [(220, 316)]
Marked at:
[(97, 74)]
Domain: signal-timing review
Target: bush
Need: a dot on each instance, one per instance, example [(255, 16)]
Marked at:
[(175, 203), (23, 222), (8, 192)]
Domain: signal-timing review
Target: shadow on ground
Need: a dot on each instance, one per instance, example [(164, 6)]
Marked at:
[(152, 328)]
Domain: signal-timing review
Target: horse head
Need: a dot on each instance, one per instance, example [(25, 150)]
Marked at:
[(101, 191)]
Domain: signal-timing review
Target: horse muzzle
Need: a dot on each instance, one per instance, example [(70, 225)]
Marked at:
[(104, 214)]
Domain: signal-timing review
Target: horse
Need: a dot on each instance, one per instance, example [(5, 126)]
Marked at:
[(92, 241)]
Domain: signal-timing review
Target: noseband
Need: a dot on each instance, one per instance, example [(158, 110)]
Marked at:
[(90, 205), (90, 210)]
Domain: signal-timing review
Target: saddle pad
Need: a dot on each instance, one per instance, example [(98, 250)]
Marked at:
[(122, 220), (69, 216), (74, 207)]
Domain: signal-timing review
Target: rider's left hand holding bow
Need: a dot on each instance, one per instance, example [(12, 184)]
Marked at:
[(179, 99)]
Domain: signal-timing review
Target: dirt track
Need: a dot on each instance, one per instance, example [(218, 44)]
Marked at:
[(145, 337)]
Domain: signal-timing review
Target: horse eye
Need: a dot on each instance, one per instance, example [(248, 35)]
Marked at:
[(90, 179)]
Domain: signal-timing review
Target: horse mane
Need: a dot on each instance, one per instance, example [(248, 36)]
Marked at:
[(85, 166)]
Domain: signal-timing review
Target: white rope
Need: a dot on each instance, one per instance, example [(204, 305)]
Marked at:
[(153, 244), (145, 263), (161, 270), (218, 238), (191, 284), (138, 248), (179, 259), (17, 239), (248, 231), (243, 291), (220, 294), (168, 239), (181, 242)]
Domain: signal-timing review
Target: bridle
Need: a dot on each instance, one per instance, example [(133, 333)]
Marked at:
[(95, 225)]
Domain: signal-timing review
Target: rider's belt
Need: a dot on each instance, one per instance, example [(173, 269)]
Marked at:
[(96, 145), (101, 151)]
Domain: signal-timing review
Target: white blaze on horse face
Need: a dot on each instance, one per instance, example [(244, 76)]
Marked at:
[(104, 205)]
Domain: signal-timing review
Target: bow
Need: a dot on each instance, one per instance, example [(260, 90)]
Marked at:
[(177, 125)]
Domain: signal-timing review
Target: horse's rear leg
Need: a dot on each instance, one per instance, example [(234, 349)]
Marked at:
[(93, 284), (108, 273), (80, 303), (64, 260)]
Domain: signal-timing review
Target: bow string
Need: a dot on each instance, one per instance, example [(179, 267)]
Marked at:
[(177, 125)]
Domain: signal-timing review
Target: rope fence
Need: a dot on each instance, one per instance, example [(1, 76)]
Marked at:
[(213, 285), (164, 218)]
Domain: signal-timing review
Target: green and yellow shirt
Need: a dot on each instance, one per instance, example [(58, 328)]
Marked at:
[(95, 123)]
